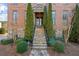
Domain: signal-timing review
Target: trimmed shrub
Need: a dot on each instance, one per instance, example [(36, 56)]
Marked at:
[(25, 39), (51, 41), (29, 23), (59, 47), (7, 41), (49, 22), (18, 40), (21, 46), (2, 30)]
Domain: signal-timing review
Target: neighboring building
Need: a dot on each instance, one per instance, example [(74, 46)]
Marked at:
[(61, 13), (3, 24)]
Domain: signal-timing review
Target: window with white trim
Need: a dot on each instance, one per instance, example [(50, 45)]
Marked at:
[(15, 16), (65, 17), (54, 16)]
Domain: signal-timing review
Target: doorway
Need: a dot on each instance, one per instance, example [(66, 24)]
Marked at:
[(38, 19)]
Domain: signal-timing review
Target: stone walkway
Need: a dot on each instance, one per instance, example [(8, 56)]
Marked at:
[(39, 43), (37, 52)]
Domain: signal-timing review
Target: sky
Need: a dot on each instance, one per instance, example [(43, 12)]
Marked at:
[(3, 12)]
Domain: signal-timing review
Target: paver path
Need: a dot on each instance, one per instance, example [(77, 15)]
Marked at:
[(39, 43)]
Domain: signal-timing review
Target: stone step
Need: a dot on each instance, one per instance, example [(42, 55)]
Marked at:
[(39, 47), (39, 44), (39, 35), (36, 42), (39, 41), (39, 52)]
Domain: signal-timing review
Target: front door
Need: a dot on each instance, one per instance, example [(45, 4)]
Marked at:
[(38, 22), (38, 19)]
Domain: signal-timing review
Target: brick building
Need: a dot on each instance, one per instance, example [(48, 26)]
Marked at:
[(61, 14)]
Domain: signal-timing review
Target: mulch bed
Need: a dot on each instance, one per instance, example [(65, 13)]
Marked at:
[(70, 50), (9, 50)]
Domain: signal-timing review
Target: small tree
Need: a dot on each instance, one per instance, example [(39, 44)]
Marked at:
[(29, 25), (45, 17), (74, 33), (49, 26)]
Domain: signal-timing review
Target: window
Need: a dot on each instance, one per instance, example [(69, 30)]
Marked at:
[(53, 16), (65, 17), (15, 15)]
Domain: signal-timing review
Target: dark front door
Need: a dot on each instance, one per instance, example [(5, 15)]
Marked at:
[(38, 19)]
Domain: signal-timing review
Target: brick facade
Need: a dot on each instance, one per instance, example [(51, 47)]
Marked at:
[(21, 8)]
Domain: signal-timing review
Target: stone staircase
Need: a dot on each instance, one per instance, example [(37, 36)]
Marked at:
[(39, 41)]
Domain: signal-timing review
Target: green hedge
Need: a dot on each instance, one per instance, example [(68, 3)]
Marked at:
[(2, 30), (59, 47), (6, 41), (21, 46)]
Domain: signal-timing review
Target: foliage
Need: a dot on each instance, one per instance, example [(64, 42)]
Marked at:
[(49, 27), (52, 41), (45, 17), (74, 33), (6, 41), (18, 40), (2, 30), (29, 23), (59, 47), (21, 46)]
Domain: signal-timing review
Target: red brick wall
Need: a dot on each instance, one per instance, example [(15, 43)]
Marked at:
[(21, 15)]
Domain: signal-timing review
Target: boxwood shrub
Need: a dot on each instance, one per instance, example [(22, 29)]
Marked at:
[(21, 46), (18, 40), (6, 41), (59, 47), (51, 41)]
